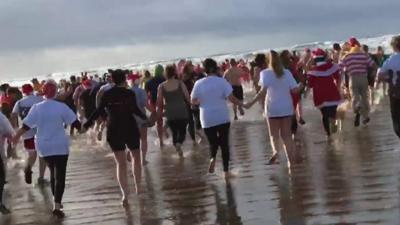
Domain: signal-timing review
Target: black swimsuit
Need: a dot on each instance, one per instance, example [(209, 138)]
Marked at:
[(122, 130)]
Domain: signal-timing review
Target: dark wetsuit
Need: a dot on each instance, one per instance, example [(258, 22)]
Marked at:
[(122, 130), (88, 97)]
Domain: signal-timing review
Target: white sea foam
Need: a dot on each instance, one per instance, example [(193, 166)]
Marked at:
[(372, 42)]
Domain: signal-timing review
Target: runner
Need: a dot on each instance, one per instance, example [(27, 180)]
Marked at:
[(336, 53), (290, 65), (390, 72), (356, 64), (103, 118), (49, 117), (174, 98), (6, 132), (122, 130), (189, 79), (260, 64), (143, 104), (151, 88), (379, 58), (210, 94), (233, 76), (277, 84), (21, 110), (324, 79)]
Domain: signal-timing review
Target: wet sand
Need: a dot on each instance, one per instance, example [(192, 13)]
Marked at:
[(354, 180)]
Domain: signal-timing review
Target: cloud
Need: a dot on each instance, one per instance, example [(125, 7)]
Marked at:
[(38, 34)]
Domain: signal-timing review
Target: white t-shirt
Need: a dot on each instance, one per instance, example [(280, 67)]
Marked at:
[(6, 130), (392, 63), (49, 118), (212, 93), (278, 101), (22, 108)]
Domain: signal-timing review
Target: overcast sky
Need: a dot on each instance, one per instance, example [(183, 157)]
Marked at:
[(43, 36)]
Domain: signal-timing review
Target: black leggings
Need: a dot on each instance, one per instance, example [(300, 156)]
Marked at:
[(58, 168), (192, 125), (328, 112), (178, 128), (2, 178), (218, 136), (395, 111)]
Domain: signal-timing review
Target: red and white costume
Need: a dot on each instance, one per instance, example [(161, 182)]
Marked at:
[(323, 78)]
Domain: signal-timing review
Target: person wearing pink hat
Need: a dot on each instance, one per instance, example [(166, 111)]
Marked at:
[(143, 104), (49, 118), (21, 110), (324, 79), (356, 65)]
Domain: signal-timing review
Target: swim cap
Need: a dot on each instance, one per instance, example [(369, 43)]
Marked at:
[(159, 71)]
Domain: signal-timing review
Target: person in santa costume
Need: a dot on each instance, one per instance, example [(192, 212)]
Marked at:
[(324, 79)]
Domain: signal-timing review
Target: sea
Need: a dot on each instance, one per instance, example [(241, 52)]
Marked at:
[(372, 42)]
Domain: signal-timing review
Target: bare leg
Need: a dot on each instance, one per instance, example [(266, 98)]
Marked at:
[(120, 160), (273, 125), (160, 130), (143, 144), (235, 111), (287, 138), (136, 169), (42, 168)]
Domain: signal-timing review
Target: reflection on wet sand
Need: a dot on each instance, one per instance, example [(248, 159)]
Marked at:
[(354, 180)]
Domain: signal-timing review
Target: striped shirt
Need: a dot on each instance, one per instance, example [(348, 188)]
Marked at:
[(356, 63)]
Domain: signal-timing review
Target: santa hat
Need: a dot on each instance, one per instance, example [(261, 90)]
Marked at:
[(133, 77), (87, 83), (319, 56), (27, 89), (354, 42)]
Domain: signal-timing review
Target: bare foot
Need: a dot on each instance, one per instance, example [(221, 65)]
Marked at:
[(211, 167)]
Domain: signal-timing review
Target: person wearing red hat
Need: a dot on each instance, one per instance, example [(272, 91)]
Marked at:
[(103, 118), (324, 79), (21, 110), (356, 65), (143, 104), (49, 118), (87, 100)]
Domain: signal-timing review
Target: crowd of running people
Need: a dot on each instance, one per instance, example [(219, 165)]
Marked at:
[(183, 98)]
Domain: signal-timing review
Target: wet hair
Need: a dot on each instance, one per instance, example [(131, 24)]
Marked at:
[(118, 76), (72, 78), (336, 46), (395, 43), (170, 71), (379, 48), (147, 73), (210, 66), (4, 87), (275, 63), (260, 60), (285, 58), (365, 48), (233, 62)]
